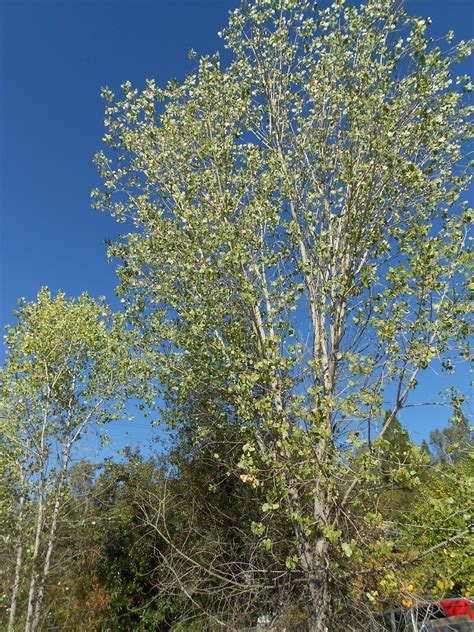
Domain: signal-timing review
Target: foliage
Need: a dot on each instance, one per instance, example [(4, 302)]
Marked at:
[(296, 259), (298, 256), (115, 556), (453, 442), (67, 372), (438, 527)]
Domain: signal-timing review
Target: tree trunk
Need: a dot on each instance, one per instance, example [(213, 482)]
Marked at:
[(43, 453), (19, 559), (314, 560), (46, 565), (34, 566), (52, 536), (319, 607)]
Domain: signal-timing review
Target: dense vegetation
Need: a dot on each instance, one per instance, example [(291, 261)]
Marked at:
[(140, 541), (296, 260)]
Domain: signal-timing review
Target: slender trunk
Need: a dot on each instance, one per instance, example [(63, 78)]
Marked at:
[(34, 565), (44, 574), (51, 538), (19, 556), (43, 451)]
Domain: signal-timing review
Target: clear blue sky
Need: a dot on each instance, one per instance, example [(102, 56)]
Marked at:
[(54, 57)]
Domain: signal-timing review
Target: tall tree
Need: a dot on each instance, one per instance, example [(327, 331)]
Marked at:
[(66, 374), (297, 253)]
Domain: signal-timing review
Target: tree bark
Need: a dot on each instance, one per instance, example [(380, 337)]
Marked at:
[(43, 452), (45, 571), (36, 551), (19, 557), (51, 538), (34, 565), (319, 607)]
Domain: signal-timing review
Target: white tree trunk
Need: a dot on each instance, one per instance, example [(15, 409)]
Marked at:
[(38, 601), (36, 550), (19, 556), (39, 597), (51, 540)]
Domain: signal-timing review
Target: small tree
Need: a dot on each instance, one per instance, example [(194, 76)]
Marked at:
[(66, 374), (298, 256), (437, 533), (454, 442)]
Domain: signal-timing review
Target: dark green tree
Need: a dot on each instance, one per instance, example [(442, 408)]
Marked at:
[(455, 441)]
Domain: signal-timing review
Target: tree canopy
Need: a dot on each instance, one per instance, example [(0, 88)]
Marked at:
[(296, 257), (298, 252)]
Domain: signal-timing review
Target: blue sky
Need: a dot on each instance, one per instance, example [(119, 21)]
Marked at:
[(54, 57)]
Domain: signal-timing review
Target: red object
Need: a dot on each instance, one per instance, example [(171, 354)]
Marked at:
[(458, 608)]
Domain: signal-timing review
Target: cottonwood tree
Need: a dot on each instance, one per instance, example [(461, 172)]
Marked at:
[(66, 374), (297, 256)]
